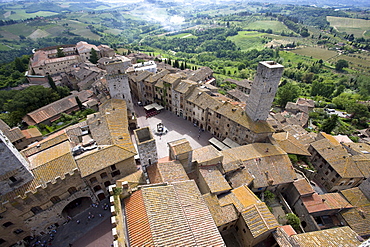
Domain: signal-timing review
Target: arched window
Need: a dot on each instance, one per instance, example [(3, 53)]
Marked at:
[(72, 190), (36, 210), (55, 199), (6, 224), (97, 188)]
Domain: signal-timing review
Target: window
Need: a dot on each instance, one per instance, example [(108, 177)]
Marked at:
[(113, 167), (36, 210), (224, 229), (2, 241), (55, 199), (18, 231), (333, 180), (72, 190), (97, 188), (13, 179), (6, 224), (104, 175), (337, 175), (236, 228), (327, 172), (244, 230), (116, 173), (93, 180)]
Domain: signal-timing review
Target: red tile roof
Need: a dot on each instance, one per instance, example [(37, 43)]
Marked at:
[(137, 221)]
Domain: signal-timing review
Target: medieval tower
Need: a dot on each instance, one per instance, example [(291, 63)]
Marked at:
[(146, 146), (118, 81), (263, 90), (14, 169)]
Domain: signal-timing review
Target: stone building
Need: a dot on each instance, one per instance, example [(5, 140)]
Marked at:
[(117, 80), (146, 146), (63, 174), (335, 168), (263, 90)]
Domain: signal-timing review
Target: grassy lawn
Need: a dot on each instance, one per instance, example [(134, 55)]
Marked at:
[(315, 52), (248, 40), (357, 27)]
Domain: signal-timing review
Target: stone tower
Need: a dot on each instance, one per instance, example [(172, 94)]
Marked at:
[(14, 169), (146, 146), (263, 90), (117, 80)]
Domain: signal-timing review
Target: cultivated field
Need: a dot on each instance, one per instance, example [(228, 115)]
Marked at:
[(357, 27), (248, 40), (276, 26), (315, 52)]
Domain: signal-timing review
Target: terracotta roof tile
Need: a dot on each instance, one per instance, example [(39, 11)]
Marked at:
[(52, 110), (95, 160), (358, 219), (290, 144), (303, 187), (180, 146), (205, 154), (337, 157), (341, 236), (259, 219), (44, 144), (326, 202), (172, 171), (138, 226), (110, 125), (356, 197), (176, 214), (268, 163), (214, 179), (221, 215)]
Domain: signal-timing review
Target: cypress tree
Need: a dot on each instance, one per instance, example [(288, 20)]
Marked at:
[(52, 84)]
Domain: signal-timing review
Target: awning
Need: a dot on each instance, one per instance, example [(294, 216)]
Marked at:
[(158, 107), (149, 107), (217, 144)]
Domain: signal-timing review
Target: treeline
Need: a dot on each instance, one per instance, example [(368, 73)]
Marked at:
[(210, 40), (15, 104)]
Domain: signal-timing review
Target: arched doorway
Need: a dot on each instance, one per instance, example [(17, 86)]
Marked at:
[(77, 206)]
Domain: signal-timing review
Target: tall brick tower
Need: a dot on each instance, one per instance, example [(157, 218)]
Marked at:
[(263, 90), (14, 169)]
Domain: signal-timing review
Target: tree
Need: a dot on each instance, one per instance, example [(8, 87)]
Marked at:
[(94, 56), (288, 92), (329, 124), (60, 52), (341, 64), (52, 83), (18, 64), (294, 221), (358, 110)]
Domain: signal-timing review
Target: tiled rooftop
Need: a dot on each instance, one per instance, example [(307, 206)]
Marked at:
[(170, 215), (290, 144), (51, 110), (172, 171), (326, 202), (51, 154), (341, 236), (337, 157), (110, 125), (268, 163), (303, 187), (214, 179), (45, 144), (205, 154), (259, 219), (180, 146), (221, 215), (98, 159)]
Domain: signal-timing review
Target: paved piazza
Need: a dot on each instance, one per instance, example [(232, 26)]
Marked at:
[(177, 128)]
